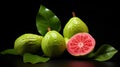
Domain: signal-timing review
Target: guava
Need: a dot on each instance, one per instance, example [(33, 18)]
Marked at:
[(53, 44), (74, 25), (28, 43), (81, 44)]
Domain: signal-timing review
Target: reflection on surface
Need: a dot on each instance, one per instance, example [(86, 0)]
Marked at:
[(81, 64), (16, 61), (13, 61), (67, 63)]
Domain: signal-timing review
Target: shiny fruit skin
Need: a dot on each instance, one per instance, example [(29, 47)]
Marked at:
[(74, 25), (28, 43), (53, 44)]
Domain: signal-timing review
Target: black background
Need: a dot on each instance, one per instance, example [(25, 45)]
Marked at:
[(18, 17)]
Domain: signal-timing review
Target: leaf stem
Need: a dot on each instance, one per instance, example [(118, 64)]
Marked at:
[(49, 29), (73, 14)]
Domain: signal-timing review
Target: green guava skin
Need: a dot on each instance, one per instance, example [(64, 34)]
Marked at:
[(74, 25), (53, 44), (28, 43)]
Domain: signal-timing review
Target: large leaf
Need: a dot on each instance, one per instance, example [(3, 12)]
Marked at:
[(47, 19), (105, 52), (30, 58)]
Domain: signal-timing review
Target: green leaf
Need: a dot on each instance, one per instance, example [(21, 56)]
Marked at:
[(30, 58), (90, 55), (10, 51), (105, 52), (47, 19)]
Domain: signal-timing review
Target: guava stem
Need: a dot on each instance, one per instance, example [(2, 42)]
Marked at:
[(73, 13), (49, 29)]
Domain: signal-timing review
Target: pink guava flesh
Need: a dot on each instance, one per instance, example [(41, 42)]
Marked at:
[(80, 44)]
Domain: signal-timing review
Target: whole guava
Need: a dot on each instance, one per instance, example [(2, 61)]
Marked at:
[(53, 44), (74, 25), (28, 43)]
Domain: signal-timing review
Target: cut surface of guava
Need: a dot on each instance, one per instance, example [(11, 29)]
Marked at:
[(80, 44)]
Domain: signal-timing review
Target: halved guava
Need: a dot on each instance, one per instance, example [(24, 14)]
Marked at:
[(80, 44)]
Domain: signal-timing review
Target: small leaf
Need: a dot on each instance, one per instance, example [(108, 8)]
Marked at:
[(47, 19), (10, 51), (27, 57), (105, 52)]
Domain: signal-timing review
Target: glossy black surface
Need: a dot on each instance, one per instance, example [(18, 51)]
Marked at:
[(16, 61)]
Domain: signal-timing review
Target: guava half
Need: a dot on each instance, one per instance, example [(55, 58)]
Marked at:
[(80, 44)]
